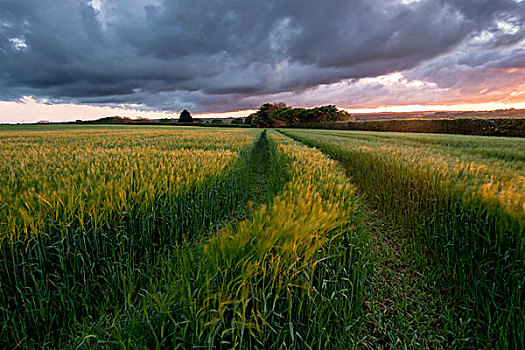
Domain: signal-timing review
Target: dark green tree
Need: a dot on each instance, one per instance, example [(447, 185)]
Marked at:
[(262, 118), (279, 115), (185, 117)]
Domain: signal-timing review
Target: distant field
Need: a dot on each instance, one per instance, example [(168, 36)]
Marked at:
[(503, 113), (173, 237)]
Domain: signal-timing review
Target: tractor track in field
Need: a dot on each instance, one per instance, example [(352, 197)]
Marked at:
[(261, 191), (406, 307)]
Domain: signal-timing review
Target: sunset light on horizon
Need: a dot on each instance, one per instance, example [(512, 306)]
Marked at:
[(31, 111)]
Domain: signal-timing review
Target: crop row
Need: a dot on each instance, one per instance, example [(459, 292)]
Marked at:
[(461, 202)]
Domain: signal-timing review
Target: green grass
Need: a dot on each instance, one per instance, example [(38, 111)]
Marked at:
[(460, 203), (404, 308)]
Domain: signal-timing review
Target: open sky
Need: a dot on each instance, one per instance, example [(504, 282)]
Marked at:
[(80, 59)]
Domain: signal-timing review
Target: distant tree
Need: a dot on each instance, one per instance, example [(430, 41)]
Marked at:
[(217, 121), (185, 117), (262, 118), (238, 121), (114, 120), (279, 115)]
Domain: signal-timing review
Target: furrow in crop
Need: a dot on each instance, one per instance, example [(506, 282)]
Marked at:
[(462, 217)]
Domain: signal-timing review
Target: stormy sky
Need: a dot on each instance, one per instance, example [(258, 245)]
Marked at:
[(231, 55)]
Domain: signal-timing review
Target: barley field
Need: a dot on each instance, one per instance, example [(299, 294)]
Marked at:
[(176, 238)]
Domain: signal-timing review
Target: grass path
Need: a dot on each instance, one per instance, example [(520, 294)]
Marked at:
[(405, 309), (263, 189), (264, 186)]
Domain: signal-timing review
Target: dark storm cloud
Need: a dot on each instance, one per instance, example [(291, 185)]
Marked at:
[(225, 55)]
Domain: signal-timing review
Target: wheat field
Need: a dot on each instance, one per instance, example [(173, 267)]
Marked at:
[(171, 237)]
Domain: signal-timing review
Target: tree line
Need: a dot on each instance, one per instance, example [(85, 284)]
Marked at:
[(272, 115)]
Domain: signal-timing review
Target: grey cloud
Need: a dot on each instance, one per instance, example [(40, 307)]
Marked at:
[(220, 56)]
